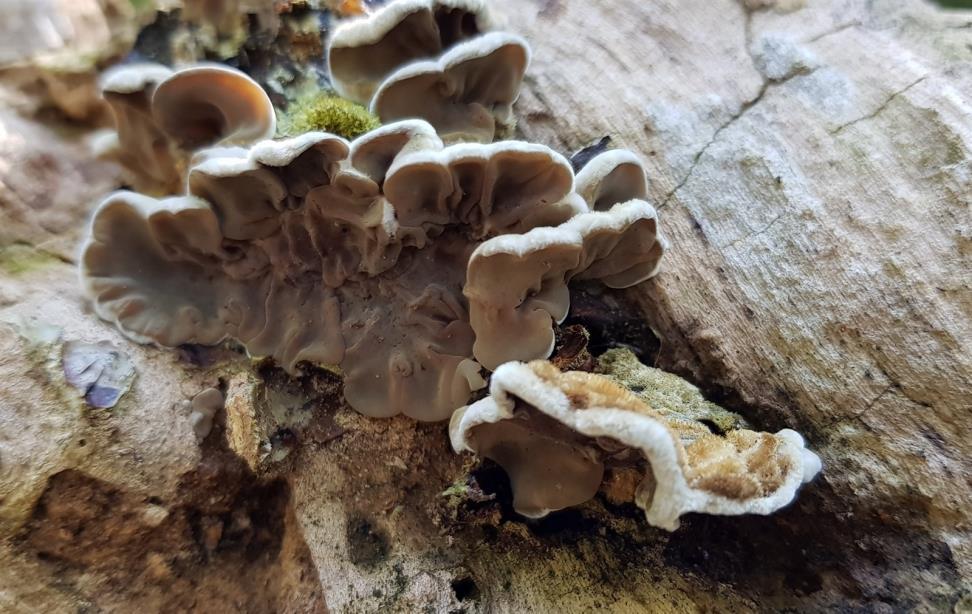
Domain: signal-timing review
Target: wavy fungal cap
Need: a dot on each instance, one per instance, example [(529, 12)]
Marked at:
[(134, 79), (614, 176), (139, 144), (557, 434), (208, 104), (517, 284), (434, 60), (364, 51), (384, 256), (162, 117), (467, 94)]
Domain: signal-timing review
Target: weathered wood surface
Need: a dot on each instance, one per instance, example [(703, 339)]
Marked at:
[(811, 168)]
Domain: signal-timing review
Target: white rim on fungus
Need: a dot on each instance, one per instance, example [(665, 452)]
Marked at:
[(285, 151), (148, 209), (246, 111), (267, 153), (672, 496), (510, 323), (371, 29), (455, 60), (132, 78), (374, 152), (618, 172)]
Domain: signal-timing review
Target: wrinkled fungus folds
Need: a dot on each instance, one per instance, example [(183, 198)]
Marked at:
[(208, 104), (139, 144), (557, 433), (313, 249), (363, 51), (614, 176), (517, 284), (162, 117), (434, 60), (467, 94)]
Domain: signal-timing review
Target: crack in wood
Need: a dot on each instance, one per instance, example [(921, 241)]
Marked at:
[(881, 108), (768, 84), (753, 234), (873, 402), (858, 416), (836, 30)]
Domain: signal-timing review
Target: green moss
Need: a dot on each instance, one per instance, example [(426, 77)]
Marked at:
[(664, 392), (454, 496), (457, 490), (74, 63), (19, 259), (327, 113)]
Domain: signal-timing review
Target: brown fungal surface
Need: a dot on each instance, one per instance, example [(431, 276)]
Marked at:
[(163, 116), (467, 94), (208, 104), (555, 433), (517, 285), (139, 144), (615, 176), (364, 51), (433, 60), (316, 250)]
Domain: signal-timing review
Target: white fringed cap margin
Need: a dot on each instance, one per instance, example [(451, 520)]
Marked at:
[(356, 61), (672, 495)]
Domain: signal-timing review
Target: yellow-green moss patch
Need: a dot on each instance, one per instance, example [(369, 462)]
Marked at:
[(327, 113), (19, 259), (664, 392)]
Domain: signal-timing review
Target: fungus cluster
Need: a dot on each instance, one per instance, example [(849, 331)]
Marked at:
[(163, 116), (435, 60), (413, 259), (363, 255), (556, 433)]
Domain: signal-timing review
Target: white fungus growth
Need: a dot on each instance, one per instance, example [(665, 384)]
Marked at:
[(557, 433)]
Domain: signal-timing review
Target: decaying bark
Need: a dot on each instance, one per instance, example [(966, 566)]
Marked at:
[(812, 170), (811, 166)]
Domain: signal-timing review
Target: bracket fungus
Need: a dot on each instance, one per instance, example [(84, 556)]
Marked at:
[(517, 284), (162, 116), (209, 104), (364, 51), (614, 176), (467, 94), (355, 254), (139, 144), (433, 60), (556, 433)]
